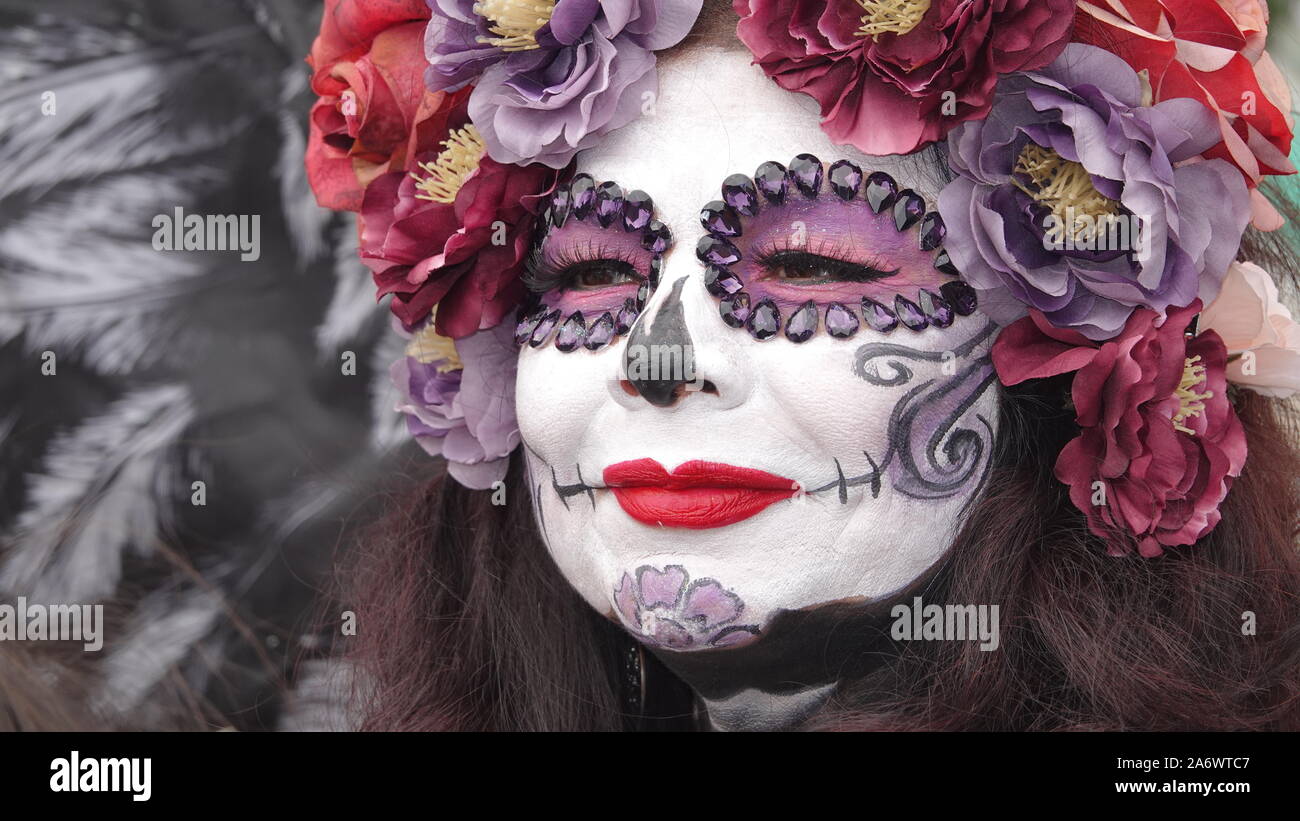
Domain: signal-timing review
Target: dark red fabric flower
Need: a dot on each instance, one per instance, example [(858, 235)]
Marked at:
[(882, 70), (1159, 443), (465, 255), (374, 113)]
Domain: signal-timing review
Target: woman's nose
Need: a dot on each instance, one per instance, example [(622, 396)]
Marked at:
[(675, 350)]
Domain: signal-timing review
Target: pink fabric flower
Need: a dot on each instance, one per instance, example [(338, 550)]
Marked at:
[(908, 83), (1262, 338), (1159, 442), (1211, 51), (464, 256)]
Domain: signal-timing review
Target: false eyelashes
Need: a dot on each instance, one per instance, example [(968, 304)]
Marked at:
[(599, 228), (738, 249)]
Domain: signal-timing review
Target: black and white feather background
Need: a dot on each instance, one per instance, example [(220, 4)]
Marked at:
[(171, 368)]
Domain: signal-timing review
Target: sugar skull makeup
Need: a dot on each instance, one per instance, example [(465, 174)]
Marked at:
[(773, 479)]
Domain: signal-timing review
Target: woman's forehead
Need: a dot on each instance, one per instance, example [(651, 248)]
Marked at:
[(715, 115)]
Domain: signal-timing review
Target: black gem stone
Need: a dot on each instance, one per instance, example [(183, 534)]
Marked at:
[(600, 332), (609, 203), (560, 207), (880, 191), (910, 314), (841, 323), (642, 296), (656, 237), (933, 231), (806, 173), (716, 251), (877, 316), (770, 179), (936, 309), (582, 196), (524, 330), (908, 209), (803, 323), (719, 220), (764, 321), (738, 191), (735, 309), (626, 317), (960, 296), (656, 265), (572, 332), (544, 328), (637, 210), (943, 263), (720, 281), (846, 179)]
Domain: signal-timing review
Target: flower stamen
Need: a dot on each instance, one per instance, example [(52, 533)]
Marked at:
[(1190, 402), (1066, 188), (514, 22), (891, 16), (428, 346), (462, 151)]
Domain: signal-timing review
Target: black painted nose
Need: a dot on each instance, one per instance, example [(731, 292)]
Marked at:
[(659, 360)]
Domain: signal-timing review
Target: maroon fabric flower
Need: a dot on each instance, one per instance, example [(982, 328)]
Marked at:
[(464, 255), (881, 69), (1157, 431)]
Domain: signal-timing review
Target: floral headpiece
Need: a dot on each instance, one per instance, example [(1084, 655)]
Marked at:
[(450, 127)]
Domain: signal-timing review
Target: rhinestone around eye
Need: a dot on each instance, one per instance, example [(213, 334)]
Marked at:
[(908, 209), (656, 238), (735, 309), (806, 173), (771, 181), (933, 231), (910, 314), (943, 264), (877, 316), (845, 179), (936, 309), (609, 203), (738, 191), (626, 317), (638, 208), (719, 220), (582, 196), (600, 332), (803, 323), (544, 328), (721, 281), (841, 322), (880, 191), (764, 321), (717, 251), (960, 296), (560, 207), (572, 333), (524, 330)]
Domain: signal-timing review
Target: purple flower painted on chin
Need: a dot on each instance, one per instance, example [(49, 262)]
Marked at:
[(1076, 138), (551, 78), (459, 400), (664, 608)]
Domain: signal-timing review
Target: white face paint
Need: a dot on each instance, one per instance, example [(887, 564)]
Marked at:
[(797, 411)]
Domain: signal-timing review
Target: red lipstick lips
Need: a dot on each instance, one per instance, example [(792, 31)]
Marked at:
[(696, 495)]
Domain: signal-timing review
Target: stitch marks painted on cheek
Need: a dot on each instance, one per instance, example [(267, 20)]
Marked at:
[(665, 608)]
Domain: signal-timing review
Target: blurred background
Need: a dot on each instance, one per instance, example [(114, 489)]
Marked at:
[(187, 438)]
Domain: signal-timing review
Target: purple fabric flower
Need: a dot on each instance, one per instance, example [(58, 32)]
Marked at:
[(550, 84), (666, 609), (1076, 142), (459, 400)]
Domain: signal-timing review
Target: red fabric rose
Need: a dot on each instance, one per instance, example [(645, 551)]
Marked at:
[(1211, 51), (1156, 427), (374, 113), (465, 256), (887, 92)]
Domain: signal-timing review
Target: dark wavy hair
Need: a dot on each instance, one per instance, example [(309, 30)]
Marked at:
[(467, 624)]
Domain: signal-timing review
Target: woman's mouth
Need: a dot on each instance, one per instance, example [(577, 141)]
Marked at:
[(696, 495)]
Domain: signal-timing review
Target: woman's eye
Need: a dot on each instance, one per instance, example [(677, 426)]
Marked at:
[(601, 275), (802, 267)]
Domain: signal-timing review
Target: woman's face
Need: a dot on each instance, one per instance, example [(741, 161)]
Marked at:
[(753, 475)]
